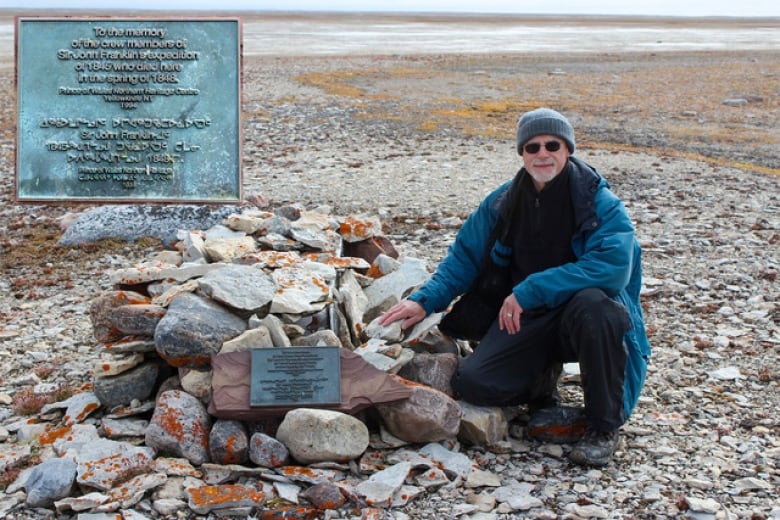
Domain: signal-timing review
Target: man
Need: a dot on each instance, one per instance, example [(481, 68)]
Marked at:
[(572, 295)]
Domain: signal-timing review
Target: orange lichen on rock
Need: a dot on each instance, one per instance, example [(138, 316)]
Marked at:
[(375, 271), (320, 283), (223, 496), (52, 434), (169, 419), (356, 228), (300, 471), (88, 409), (231, 453), (172, 421)]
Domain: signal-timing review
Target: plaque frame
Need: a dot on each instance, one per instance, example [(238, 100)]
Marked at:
[(271, 370), (184, 89)]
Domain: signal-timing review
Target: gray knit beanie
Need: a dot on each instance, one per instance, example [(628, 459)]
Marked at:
[(544, 121)]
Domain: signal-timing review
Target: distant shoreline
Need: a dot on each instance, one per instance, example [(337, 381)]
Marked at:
[(301, 34), (345, 16)]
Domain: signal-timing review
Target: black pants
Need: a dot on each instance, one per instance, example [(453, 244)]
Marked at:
[(506, 370)]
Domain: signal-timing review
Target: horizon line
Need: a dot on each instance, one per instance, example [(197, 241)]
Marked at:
[(309, 12)]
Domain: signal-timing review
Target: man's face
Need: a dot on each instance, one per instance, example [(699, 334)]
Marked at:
[(543, 160)]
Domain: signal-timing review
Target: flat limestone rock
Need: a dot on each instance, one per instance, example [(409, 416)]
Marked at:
[(132, 222)]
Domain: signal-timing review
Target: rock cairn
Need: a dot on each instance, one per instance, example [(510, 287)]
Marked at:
[(147, 438)]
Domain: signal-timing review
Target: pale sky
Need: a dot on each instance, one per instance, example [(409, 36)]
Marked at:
[(741, 8)]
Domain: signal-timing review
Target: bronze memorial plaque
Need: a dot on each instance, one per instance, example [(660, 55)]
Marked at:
[(135, 109), (295, 376)]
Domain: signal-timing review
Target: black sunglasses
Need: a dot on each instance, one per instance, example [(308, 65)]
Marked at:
[(550, 146)]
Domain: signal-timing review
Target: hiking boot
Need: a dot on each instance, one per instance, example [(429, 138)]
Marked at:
[(595, 448), (559, 425)]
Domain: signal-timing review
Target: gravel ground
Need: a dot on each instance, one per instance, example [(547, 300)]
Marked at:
[(421, 139)]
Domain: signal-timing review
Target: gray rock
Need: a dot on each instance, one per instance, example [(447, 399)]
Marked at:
[(455, 464), (121, 428), (428, 415), (115, 363), (278, 225), (180, 425), (49, 481), (240, 287), (324, 496), (122, 389), (396, 285), (479, 478), (165, 273), (259, 337), (133, 222), (300, 291), (137, 320), (703, 505), (517, 496), (278, 242), (291, 212), (735, 102), (354, 302), (380, 487), (249, 221), (80, 435), (232, 499), (288, 491), (434, 370), (320, 338), (275, 328), (227, 249), (104, 463), (228, 443), (192, 246), (196, 382), (482, 425), (101, 312), (356, 228), (267, 452), (194, 329), (221, 232), (79, 407), (319, 240), (314, 435), (131, 492)]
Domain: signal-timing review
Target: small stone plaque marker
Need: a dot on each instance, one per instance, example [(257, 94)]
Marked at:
[(128, 109), (295, 376)]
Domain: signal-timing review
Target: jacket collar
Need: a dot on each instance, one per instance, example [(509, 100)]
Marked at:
[(584, 183)]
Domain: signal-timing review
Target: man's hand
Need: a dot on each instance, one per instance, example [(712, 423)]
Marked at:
[(407, 310), (509, 315)]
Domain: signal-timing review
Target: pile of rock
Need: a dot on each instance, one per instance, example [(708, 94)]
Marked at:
[(150, 437)]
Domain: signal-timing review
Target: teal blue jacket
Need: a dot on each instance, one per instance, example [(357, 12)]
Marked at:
[(608, 257)]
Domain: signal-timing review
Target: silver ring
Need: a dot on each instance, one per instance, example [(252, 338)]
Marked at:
[(508, 314)]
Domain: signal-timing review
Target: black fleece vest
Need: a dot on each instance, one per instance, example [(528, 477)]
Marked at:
[(542, 227)]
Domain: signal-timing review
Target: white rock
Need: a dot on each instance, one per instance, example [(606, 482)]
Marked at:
[(314, 435)]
